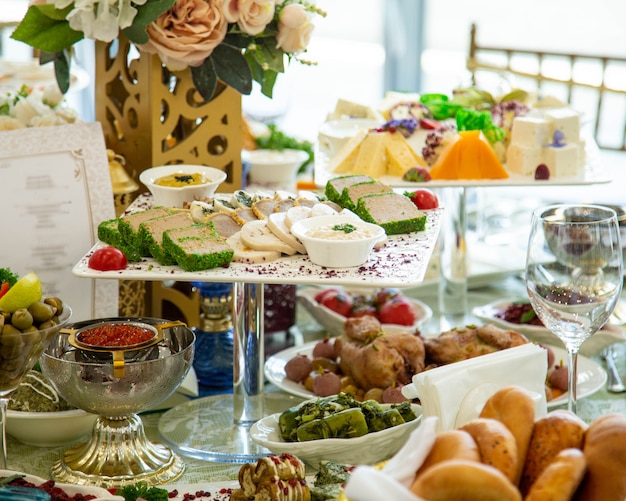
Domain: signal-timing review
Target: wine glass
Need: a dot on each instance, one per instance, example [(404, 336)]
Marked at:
[(19, 351), (574, 274)]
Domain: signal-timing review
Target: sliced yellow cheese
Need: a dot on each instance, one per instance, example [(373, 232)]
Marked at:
[(343, 161), (469, 156), (372, 160), (400, 156)]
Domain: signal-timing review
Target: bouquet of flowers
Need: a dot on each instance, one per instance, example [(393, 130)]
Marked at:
[(34, 107), (233, 41)]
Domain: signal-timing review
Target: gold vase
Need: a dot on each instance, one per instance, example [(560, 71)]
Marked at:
[(152, 116)]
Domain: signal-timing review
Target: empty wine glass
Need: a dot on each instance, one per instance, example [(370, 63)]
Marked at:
[(574, 274), (19, 351)]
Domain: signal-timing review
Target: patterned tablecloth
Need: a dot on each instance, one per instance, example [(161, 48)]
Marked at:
[(38, 461)]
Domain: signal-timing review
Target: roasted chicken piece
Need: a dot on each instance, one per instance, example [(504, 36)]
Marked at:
[(375, 359), (469, 342)]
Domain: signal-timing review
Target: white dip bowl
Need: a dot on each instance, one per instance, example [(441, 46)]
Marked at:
[(334, 134), (49, 429), (274, 168), (336, 248), (169, 196)]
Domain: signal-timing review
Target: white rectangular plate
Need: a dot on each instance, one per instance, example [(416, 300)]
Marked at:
[(402, 262)]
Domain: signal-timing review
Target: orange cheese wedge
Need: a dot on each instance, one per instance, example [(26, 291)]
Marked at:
[(470, 156)]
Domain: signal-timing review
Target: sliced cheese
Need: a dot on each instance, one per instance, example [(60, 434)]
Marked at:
[(469, 156), (343, 161), (372, 159), (400, 155)]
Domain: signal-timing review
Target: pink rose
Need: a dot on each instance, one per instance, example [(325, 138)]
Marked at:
[(186, 34), (294, 28), (252, 16)]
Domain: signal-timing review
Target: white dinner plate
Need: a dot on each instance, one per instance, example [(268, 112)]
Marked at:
[(608, 335), (334, 322), (591, 376)]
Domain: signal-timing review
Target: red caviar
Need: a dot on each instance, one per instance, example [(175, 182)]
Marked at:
[(115, 335)]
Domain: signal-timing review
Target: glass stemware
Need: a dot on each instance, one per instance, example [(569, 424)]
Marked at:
[(574, 274), (19, 351)]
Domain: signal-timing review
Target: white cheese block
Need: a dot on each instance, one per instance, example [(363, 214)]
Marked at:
[(523, 160), (530, 131), (563, 161), (567, 121)]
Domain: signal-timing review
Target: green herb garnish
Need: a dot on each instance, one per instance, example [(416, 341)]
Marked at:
[(346, 227), (142, 490), (6, 275)]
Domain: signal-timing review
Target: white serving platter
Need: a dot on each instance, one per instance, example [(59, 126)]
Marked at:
[(594, 173), (401, 262), (591, 376)]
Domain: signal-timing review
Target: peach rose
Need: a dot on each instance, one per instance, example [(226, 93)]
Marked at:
[(294, 28), (252, 16), (187, 34)]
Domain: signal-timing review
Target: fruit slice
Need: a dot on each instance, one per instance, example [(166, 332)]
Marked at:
[(26, 291)]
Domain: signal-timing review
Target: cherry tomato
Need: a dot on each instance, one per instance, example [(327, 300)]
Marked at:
[(107, 259), (397, 311), (338, 301), (423, 198), (385, 294)]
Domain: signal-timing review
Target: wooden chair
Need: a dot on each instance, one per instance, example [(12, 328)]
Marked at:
[(592, 84)]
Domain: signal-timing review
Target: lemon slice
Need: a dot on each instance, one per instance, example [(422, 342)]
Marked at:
[(26, 291)]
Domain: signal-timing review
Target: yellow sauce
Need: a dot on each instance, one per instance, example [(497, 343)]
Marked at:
[(180, 180)]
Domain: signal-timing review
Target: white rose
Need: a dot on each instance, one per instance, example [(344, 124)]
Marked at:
[(52, 96), (101, 19), (31, 106), (46, 121), (294, 28)]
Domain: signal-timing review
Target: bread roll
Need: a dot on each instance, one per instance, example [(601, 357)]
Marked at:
[(514, 407), (560, 479), (557, 430), (605, 453), (467, 480), (496, 444), (450, 444)]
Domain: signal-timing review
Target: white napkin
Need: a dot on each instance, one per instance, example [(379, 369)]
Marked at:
[(393, 481), (457, 392)]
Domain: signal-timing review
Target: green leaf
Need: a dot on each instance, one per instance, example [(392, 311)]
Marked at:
[(62, 65), (205, 78), (45, 33), (232, 68), (146, 14)]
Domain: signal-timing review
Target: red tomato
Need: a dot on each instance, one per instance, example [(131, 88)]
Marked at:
[(320, 295), (338, 301), (107, 259), (423, 198), (397, 311), (385, 294)]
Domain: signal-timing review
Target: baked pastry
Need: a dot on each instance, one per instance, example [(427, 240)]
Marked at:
[(273, 478)]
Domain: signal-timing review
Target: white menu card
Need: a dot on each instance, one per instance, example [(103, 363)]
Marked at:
[(55, 189)]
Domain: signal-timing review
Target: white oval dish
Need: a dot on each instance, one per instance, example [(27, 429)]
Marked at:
[(49, 429), (169, 196), (334, 322), (591, 377), (98, 492), (368, 449), (337, 253)]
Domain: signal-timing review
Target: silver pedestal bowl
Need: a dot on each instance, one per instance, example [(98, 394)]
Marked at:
[(116, 387)]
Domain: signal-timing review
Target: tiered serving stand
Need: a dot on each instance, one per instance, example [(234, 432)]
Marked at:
[(217, 428)]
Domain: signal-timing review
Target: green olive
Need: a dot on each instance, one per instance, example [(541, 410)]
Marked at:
[(41, 312), (55, 302), (22, 319), (9, 329)]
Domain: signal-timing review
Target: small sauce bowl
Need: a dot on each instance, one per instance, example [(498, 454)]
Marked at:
[(337, 241)]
